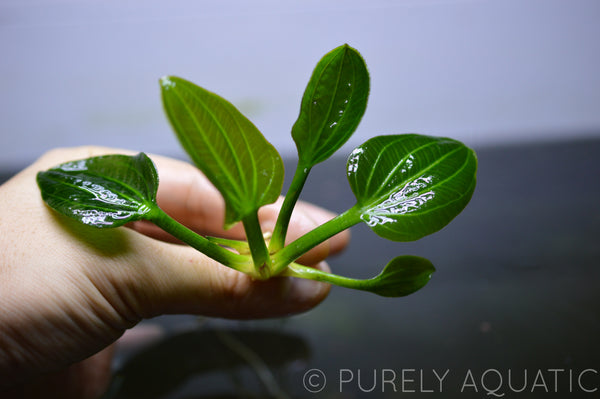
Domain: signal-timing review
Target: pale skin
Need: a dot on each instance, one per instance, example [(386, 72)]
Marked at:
[(68, 291)]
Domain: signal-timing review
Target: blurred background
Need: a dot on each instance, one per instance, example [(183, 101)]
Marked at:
[(517, 271), (486, 72)]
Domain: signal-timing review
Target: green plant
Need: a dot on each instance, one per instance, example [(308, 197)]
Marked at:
[(406, 186)]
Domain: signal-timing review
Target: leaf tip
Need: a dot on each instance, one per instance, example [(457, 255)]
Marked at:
[(166, 82)]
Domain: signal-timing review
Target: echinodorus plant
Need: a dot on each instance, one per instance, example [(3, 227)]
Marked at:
[(406, 186)]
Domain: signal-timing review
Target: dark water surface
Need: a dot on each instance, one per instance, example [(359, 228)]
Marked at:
[(513, 310)]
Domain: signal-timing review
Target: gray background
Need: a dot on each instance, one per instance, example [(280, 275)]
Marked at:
[(485, 72)]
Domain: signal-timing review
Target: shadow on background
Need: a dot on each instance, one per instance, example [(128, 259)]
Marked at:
[(187, 363)]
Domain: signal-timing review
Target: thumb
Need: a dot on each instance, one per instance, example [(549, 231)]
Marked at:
[(167, 278)]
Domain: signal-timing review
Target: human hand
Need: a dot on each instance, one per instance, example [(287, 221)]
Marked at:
[(68, 290)]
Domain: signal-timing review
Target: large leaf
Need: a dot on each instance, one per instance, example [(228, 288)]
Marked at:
[(409, 186), (104, 191), (225, 145), (334, 101)]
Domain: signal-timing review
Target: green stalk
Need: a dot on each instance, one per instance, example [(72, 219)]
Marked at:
[(310, 273), (214, 251), (258, 247), (300, 246), (240, 246), (283, 220)]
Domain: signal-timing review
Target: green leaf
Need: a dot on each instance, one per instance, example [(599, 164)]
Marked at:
[(334, 101), (225, 145), (402, 276), (104, 191), (409, 186)]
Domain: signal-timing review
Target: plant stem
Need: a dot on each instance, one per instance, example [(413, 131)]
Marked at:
[(310, 273), (303, 244), (216, 252), (240, 246), (258, 248), (283, 220)]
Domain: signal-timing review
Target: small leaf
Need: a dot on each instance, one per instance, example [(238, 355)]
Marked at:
[(225, 145), (104, 191), (402, 276), (334, 101), (409, 186)]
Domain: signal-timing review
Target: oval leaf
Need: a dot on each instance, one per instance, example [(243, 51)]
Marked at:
[(334, 101), (104, 191), (402, 276), (225, 145), (409, 186)]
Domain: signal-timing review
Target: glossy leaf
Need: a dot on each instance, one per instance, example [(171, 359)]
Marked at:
[(402, 276), (104, 191), (225, 145), (334, 101), (409, 186)]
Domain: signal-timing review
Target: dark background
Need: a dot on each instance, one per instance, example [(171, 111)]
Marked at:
[(516, 291), (515, 294)]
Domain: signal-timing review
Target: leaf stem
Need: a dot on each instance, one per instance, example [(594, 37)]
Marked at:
[(283, 220), (303, 244), (258, 247), (195, 240), (240, 246), (310, 273)]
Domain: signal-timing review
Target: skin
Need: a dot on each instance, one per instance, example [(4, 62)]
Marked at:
[(68, 291)]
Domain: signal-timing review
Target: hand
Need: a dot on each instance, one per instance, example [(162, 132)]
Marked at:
[(67, 291)]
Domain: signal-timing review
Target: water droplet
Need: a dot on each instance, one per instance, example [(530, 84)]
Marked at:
[(167, 83), (353, 160), (74, 166), (409, 199), (95, 217)]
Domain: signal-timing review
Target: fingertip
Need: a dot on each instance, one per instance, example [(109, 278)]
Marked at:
[(306, 294), (307, 217), (246, 298), (338, 242)]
